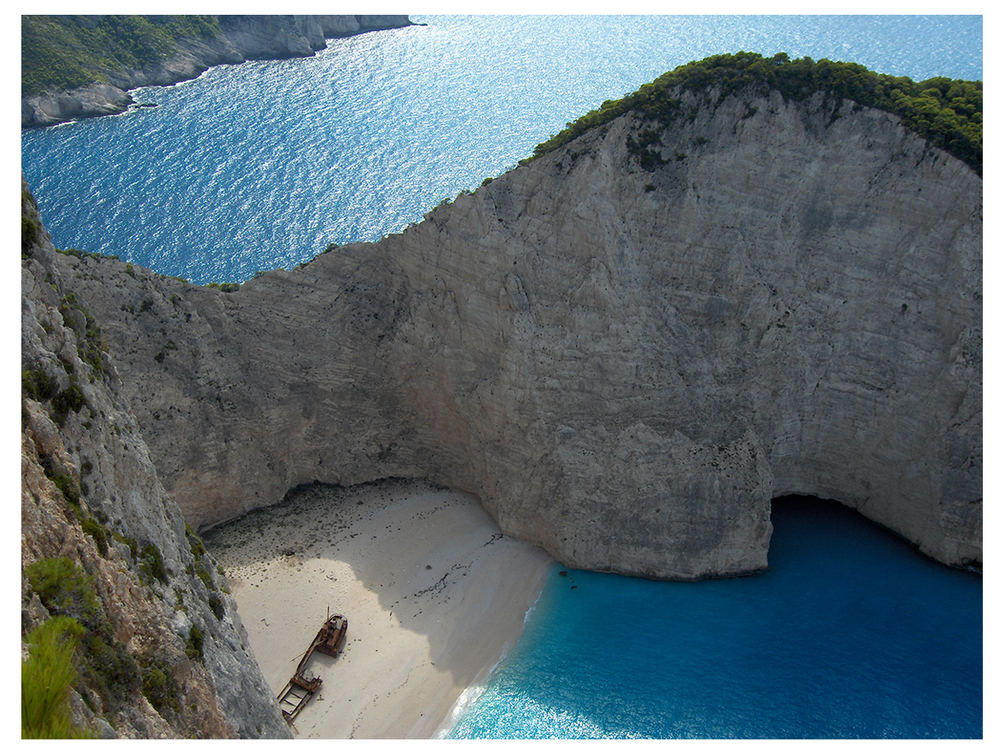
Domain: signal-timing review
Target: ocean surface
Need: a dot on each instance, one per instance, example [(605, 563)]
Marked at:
[(247, 168), (850, 634), (264, 164)]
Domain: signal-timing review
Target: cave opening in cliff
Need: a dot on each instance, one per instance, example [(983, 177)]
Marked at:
[(806, 526)]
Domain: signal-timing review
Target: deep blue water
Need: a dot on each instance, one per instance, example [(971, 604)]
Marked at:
[(850, 634), (251, 167), (262, 165)]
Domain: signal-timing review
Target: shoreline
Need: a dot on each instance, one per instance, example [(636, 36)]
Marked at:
[(468, 697), (236, 43), (434, 594)]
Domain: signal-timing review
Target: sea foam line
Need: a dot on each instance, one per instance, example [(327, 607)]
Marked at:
[(474, 691)]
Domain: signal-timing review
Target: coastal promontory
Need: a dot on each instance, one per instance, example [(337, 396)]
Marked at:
[(83, 66), (751, 278), (721, 291)]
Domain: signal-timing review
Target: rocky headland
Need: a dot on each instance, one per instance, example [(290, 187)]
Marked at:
[(624, 365), (236, 40), (624, 348)]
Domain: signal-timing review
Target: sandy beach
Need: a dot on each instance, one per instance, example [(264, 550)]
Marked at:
[(434, 595)]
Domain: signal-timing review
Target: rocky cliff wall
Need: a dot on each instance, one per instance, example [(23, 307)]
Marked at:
[(624, 363), (164, 653), (242, 38)]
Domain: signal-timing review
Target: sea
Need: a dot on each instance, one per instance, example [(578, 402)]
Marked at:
[(850, 634)]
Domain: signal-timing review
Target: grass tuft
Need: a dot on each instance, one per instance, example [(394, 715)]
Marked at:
[(46, 678)]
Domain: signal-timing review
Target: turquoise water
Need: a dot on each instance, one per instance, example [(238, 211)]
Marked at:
[(850, 634), (262, 165), (251, 167)]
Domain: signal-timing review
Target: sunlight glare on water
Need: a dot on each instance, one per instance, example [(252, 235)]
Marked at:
[(264, 164)]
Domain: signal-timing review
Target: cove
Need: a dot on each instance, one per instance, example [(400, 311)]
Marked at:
[(851, 633), (677, 622)]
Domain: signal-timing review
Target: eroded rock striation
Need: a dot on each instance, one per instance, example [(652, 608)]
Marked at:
[(623, 353), (163, 651), (240, 38)]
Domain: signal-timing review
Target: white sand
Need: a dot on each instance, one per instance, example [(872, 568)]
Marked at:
[(433, 593)]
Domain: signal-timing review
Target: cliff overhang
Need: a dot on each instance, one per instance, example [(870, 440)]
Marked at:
[(624, 347)]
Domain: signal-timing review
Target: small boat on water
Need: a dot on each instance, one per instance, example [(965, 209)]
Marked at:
[(302, 686)]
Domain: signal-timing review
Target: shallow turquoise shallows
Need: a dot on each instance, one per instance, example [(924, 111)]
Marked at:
[(262, 165), (850, 634)]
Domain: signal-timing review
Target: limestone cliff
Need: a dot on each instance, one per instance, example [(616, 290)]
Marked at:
[(623, 353), (164, 653), (240, 38)]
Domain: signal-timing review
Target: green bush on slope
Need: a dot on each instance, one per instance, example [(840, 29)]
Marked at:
[(946, 112), (102, 665), (65, 589)]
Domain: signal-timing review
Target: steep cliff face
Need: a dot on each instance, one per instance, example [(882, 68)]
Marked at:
[(164, 653), (242, 38), (625, 351)]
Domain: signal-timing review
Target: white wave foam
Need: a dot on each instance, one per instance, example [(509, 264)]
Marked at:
[(473, 692)]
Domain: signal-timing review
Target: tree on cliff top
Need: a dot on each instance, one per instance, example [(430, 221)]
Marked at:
[(946, 112)]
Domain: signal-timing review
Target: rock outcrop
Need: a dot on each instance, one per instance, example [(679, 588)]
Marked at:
[(242, 38), (164, 654), (623, 358)]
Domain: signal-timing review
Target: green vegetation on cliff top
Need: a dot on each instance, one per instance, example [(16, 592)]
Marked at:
[(946, 112), (63, 52)]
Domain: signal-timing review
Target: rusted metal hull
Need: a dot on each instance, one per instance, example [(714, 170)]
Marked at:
[(301, 687), (331, 636), (296, 694)]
